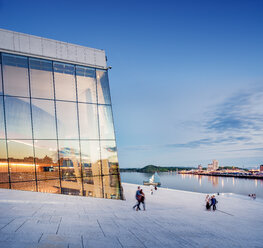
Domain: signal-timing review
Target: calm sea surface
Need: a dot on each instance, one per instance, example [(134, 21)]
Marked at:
[(203, 184)]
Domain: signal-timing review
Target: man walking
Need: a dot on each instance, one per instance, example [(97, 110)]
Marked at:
[(213, 202), (138, 198)]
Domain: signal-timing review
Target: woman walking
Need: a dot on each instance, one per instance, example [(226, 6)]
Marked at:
[(142, 199), (207, 200)]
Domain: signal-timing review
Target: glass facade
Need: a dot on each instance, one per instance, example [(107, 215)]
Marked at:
[(56, 128)]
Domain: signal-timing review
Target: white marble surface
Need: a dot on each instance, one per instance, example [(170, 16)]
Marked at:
[(172, 219)]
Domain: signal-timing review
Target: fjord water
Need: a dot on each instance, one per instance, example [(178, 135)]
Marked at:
[(198, 183)]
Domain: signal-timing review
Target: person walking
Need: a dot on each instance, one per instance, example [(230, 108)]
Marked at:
[(213, 202), (138, 198), (207, 200), (142, 199)]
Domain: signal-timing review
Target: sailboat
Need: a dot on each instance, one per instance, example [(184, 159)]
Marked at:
[(154, 180)]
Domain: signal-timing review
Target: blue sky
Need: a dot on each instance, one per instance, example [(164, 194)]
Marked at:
[(187, 78)]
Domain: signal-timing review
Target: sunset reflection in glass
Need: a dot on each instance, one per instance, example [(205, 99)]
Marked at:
[(57, 133)]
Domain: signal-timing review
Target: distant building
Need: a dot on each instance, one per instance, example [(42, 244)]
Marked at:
[(210, 167), (214, 166), (200, 167), (261, 167)]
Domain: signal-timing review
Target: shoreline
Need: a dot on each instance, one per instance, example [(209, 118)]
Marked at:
[(201, 174), (228, 194), (224, 175)]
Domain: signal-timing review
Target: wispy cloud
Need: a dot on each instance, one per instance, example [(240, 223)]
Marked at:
[(208, 142), (235, 125), (238, 113), (247, 149), (237, 120)]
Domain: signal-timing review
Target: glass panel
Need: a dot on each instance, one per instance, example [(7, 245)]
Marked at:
[(111, 187), (44, 123), (15, 70), (27, 185), (49, 185), (1, 86), (41, 78), (103, 87), (65, 86), (3, 165), (67, 120), (94, 189), (70, 167), (21, 162), (109, 157), (90, 158), (18, 118), (2, 123), (91, 168), (4, 185), (86, 84), (106, 122), (88, 121), (46, 157), (110, 167)]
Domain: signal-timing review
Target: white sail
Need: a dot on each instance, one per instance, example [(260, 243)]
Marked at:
[(151, 180), (156, 178)]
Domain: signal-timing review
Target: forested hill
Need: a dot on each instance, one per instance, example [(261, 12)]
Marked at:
[(153, 168)]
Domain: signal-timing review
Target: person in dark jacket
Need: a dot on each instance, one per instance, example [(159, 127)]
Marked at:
[(142, 199), (213, 202), (138, 198)]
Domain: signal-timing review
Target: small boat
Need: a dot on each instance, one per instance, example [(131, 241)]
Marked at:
[(154, 180)]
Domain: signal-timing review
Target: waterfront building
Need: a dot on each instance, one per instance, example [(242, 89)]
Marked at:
[(200, 167), (56, 125), (209, 167), (215, 164)]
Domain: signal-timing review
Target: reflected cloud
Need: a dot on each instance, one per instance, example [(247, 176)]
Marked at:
[(21, 142), (111, 149)]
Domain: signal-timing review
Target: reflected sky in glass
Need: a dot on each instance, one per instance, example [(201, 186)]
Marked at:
[(86, 84), (67, 120), (18, 118), (103, 87), (88, 121), (41, 78), (2, 124), (44, 122), (21, 160), (46, 149), (20, 150), (1, 87), (65, 86), (106, 122), (15, 74)]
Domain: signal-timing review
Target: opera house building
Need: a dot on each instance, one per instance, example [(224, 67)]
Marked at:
[(56, 125)]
